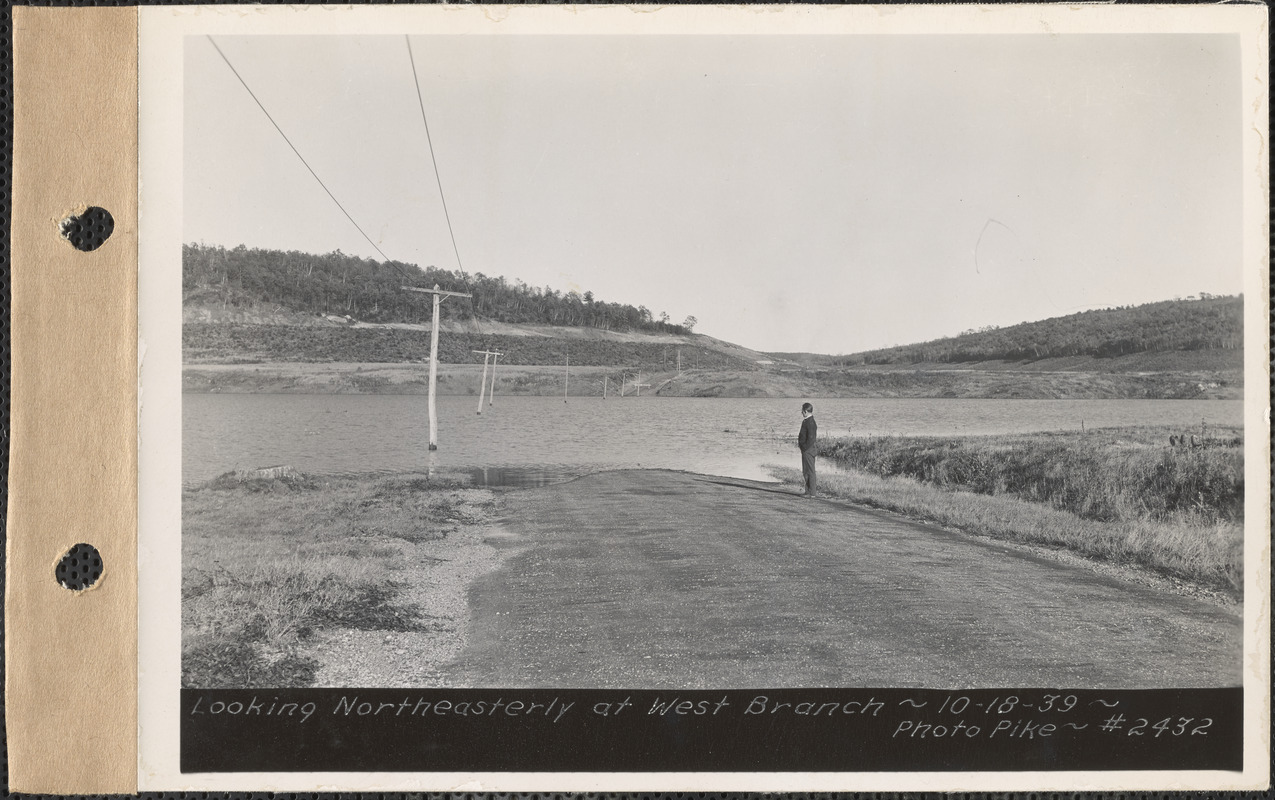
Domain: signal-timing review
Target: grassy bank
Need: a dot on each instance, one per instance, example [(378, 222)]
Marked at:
[(1122, 496), (270, 565), (1108, 475)]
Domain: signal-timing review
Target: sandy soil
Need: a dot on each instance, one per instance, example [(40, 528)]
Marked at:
[(438, 582)]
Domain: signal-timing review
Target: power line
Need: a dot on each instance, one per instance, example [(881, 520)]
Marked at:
[(438, 178), (433, 160), (388, 260)]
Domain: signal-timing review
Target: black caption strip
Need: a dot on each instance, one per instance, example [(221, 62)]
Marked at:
[(782, 730)]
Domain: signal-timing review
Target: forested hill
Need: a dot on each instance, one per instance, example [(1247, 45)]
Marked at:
[(1207, 323), (370, 291)]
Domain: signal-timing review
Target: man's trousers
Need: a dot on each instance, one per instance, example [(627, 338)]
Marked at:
[(808, 469)]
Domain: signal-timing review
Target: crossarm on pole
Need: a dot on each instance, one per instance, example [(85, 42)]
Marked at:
[(434, 291)]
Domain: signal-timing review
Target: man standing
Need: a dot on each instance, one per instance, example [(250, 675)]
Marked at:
[(806, 441)]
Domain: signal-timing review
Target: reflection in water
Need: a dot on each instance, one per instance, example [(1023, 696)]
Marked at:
[(522, 477)]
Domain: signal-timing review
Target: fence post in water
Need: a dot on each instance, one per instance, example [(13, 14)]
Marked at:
[(566, 378)]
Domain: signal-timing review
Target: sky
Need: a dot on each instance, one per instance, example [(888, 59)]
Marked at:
[(825, 194)]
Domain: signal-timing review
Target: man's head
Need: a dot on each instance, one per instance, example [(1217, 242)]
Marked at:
[(807, 410)]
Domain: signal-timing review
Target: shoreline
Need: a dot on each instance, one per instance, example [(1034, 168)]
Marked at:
[(249, 376)]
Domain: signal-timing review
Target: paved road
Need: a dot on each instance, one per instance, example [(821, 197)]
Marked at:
[(655, 579)]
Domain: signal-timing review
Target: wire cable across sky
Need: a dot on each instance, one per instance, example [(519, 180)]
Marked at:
[(388, 260), (429, 141)]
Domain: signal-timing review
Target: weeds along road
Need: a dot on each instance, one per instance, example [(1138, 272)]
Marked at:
[(655, 579)]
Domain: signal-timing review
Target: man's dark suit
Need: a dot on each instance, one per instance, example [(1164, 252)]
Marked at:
[(806, 441)]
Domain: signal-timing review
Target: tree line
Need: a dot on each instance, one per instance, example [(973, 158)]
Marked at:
[(1208, 323), (371, 291)]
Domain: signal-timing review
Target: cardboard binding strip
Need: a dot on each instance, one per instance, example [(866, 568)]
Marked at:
[(71, 657)]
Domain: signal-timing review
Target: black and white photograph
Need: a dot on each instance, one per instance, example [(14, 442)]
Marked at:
[(728, 378)]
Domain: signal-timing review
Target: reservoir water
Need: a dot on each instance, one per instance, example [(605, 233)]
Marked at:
[(535, 440)]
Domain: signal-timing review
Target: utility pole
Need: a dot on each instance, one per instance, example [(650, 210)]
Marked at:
[(637, 384), (439, 294), (483, 386), (679, 361), (566, 379), (605, 380)]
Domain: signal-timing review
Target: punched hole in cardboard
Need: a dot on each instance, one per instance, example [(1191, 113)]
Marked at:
[(88, 229), (80, 568)]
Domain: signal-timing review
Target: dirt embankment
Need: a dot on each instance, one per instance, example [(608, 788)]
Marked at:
[(199, 316)]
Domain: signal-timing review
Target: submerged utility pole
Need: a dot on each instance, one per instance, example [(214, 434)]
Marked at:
[(483, 386), (439, 294)]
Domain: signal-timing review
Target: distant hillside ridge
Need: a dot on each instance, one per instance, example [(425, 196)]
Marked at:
[(371, 291), (1209, 322)]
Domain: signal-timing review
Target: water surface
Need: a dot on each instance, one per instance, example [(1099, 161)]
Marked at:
[(536, 440)]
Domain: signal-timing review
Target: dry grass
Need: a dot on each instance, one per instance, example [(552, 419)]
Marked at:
[(267, 563), (1206, 553), (1118, 474)]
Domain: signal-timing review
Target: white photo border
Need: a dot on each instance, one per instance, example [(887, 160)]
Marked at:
[(162, 30)]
